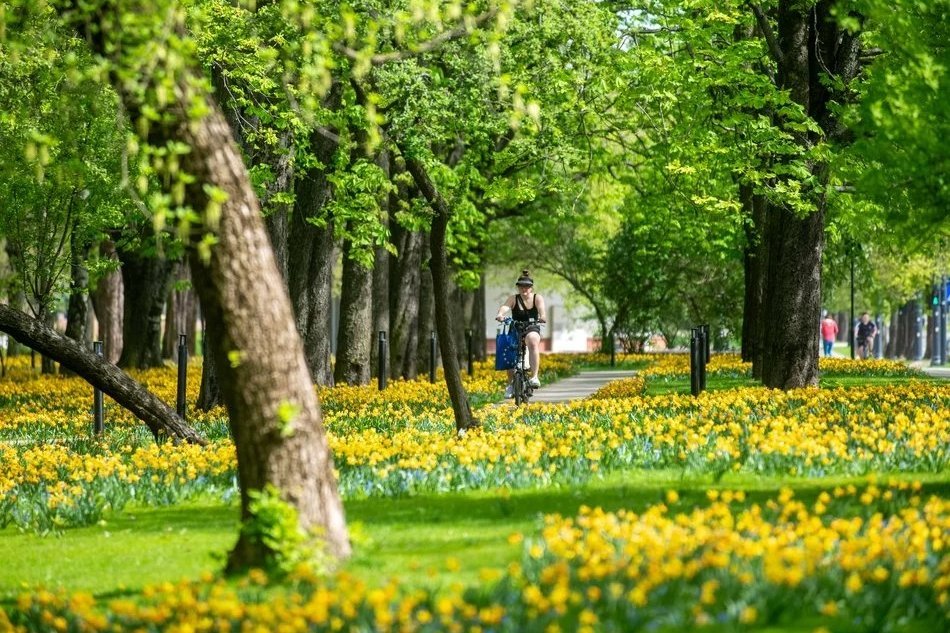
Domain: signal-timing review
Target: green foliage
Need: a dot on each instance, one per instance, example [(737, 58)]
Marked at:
[(275, 524)]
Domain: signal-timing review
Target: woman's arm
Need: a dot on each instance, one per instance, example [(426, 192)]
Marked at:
[(509, 303), (542, 312)]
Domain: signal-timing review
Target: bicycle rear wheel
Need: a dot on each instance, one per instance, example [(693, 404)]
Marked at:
[(517, 386)]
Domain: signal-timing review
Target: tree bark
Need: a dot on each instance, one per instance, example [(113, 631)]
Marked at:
[(108, 304), (405, 278), (146, 280), (98, 371), (310, 270), (811, 44), (425, 325), (180, 313), (439, 266), (273, 409), (209, 393), (258, 353), (479, 323), (356, 311), (381, 312), (78, 308)]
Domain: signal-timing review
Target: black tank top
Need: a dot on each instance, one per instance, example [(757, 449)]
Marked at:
[(521, 312)]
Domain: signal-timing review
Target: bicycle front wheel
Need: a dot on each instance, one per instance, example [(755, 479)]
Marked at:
[(517, 386)]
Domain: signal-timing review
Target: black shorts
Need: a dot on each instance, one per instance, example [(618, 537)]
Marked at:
[(532, 327)]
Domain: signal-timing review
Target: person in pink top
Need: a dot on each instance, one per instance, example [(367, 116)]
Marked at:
[(829, 331)]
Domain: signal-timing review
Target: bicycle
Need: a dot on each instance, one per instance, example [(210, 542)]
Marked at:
[(520, 384)]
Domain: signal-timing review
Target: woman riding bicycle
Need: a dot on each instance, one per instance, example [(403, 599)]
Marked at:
[(526, 306)]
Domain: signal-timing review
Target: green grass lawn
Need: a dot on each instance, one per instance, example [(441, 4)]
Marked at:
[(410, 538)]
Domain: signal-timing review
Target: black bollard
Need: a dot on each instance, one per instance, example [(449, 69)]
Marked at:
[(432, 343), (694, 362), (98, 417), (182, 407), (383, 352), (469, 342)]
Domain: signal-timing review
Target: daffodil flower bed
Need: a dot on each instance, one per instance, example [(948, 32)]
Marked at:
[(387, 449), (865, 560)]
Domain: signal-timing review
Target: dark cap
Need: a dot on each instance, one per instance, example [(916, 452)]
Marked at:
[(525, 279)]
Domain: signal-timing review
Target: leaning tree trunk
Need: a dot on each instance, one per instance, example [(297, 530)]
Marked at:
[(99, 372), (444, 322), (146, 280), (258, 353), (356, 312), (108, 304), (273, 409)]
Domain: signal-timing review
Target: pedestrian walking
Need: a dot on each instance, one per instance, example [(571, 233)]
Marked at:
[(829, 332), (866, 332)]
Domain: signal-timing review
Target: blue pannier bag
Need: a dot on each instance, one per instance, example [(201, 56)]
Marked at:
[(506, 347)]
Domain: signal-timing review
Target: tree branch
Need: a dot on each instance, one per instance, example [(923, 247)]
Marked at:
[(422, 47), (764, 26)]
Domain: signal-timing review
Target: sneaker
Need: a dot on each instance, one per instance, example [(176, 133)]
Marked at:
[(509, 391), (534, 382)]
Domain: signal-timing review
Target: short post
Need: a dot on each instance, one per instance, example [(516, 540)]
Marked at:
[(694, 386), (98, 417), (432, 343), (181, 406), (383, 353), (613, 350), (469, 344)]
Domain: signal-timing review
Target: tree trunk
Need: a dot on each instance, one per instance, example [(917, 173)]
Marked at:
[(479, 323), (426, 321), (98, 371), (754, 261), (381, 312), (48, 364), (273, 408), (310, 270), (793, 300), (108, 300), (146, 280), (810, 44), (439, 266), (209, 393), (78, 309), (258, 353), (180, 313), (405, 278), (356, 312)]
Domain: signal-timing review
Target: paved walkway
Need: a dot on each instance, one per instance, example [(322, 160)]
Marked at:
[(578, 387)]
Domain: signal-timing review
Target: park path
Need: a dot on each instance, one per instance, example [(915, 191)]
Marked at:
[(579, 386)]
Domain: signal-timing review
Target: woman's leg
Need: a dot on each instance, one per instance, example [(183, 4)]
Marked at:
[(533, 340)]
